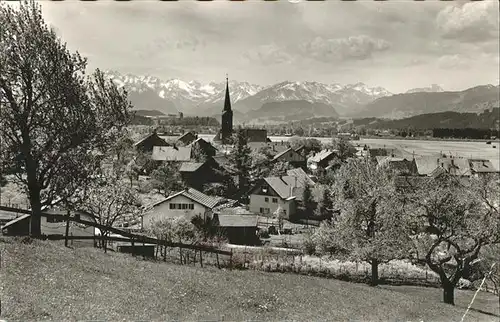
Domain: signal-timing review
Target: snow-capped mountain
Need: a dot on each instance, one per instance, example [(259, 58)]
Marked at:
[(178, 95), (342, 98), (194, 98), (434, 88)]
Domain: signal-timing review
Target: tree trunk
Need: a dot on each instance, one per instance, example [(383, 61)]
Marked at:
[(374, 279), (36, 212), (449, 293), (67, 230)]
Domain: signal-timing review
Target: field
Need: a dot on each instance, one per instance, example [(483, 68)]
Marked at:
[(44, 280), (467, 149)]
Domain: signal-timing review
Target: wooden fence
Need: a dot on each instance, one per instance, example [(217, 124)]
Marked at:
[(187, 252)]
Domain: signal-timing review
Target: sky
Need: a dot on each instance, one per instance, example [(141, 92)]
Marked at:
[(394, 44)]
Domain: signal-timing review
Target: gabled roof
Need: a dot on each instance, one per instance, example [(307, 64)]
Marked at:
[(274, 146), (194, 195), (280, 154), (187, 137), (320, 156), (149, 136), (190, 166), (238, 220), (170, 153), (426, 164), (482, 166), (301, 175), (286, 186)]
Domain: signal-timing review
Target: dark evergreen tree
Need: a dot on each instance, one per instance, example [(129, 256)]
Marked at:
[(308, 201), (326, 205), (242, 161)]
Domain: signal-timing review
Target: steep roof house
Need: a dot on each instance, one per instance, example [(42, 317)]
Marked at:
[(321, 159), (147, 143), (186, 203), (187, 138), (292, 157), (401, 166), (196, 174), (207, 148), (301, 175), (479, 167), (273, 192)]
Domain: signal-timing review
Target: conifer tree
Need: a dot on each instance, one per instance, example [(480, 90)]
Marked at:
[(242, 161)]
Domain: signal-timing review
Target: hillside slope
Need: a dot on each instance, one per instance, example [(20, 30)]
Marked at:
[(45, 281), (486, 120), (474, 99)]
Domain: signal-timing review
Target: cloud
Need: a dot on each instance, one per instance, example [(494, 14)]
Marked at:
[(472, 22), (352, 48), (453, 62), (269, 54)]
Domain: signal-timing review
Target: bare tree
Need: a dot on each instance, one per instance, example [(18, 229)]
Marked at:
[(456, 218), (53, 119), (109, 201)]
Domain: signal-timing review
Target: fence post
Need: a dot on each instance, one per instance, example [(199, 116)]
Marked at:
[(231, 259), (180, 253), (201, 259), (133, 248), (217, 256), (67, 230)]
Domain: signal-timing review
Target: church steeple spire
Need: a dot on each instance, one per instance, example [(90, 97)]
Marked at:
[(227, 116), (227, 100)]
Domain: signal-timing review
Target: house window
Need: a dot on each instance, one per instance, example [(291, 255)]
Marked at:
[(266, 211), (266, 199), (275, 200), (284, 211), (182, 206)]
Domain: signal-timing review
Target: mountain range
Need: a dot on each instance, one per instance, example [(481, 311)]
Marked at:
[(296, 100)]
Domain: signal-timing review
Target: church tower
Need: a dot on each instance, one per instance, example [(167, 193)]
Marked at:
[(227, 117)]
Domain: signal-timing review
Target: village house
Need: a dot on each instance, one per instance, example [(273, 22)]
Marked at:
[(273, 192), (401, 166), (274, 147), (373, 153), (291, 156), (302, 176), (147, 143), (238, 229), (321, 159), (206, 147), (187, 203), (187, 138), (172, 153), (197, 174), (480, 167), (301, 150), (53, 223)]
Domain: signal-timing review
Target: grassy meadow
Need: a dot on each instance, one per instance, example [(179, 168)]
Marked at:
[(43, 280)]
